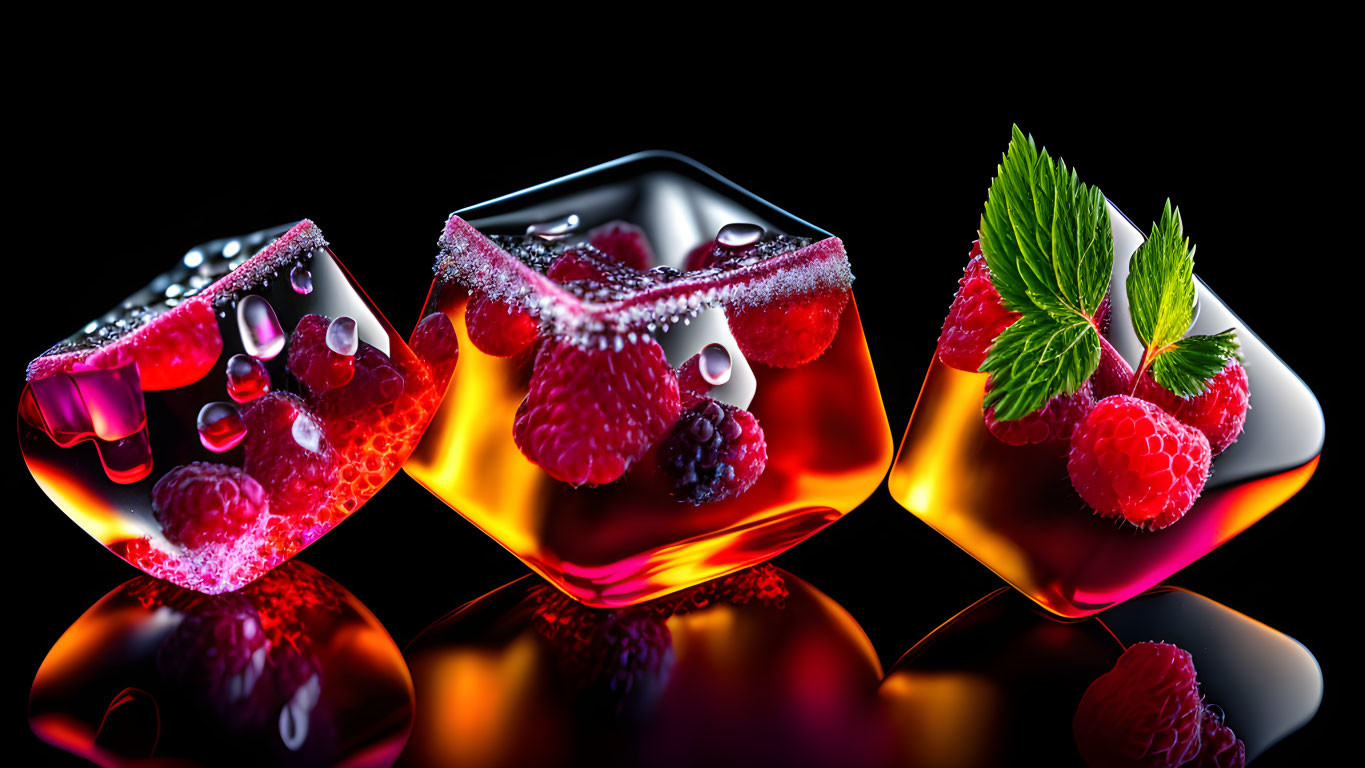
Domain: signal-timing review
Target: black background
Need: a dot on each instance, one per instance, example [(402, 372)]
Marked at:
[(118, 179)]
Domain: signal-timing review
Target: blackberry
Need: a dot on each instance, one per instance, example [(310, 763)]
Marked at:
[(713, 452)]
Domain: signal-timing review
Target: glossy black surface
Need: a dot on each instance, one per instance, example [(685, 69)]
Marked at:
[(1253, 160)]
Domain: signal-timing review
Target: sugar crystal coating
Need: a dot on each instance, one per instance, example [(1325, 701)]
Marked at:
[(585, 312)]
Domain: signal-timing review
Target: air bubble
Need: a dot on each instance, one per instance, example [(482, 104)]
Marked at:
[(739, 235), (220, 427), (260, 329), (715, 364), (247, 378), (341, 336), (301, 279), (307, 433), (553, 230)]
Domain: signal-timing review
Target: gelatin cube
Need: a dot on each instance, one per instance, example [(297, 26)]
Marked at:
[(59, 401), (127, 460), (113, 399)]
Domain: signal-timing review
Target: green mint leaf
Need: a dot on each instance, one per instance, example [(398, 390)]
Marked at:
[(1186, 366), (1037, 358), (1161, 284), (1161, 294), (1047, 240)]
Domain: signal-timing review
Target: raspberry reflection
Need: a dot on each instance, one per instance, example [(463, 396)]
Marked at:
[(292, 670)]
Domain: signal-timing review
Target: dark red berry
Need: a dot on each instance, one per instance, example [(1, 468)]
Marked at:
[(714, 452)]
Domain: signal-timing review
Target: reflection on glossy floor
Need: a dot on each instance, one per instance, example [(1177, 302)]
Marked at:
[(292, 670), (757, 668), (1003, 678)]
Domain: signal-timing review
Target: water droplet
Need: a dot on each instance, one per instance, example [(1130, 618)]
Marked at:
[(260, 329), (247, 378), (307, 433), (194, 258), (220, 426), (341, 336), (233, 248), (301, 279), (739, 235), (553, 230), (715, 364)]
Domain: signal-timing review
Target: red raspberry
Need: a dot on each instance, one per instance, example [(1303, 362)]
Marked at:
[(1219, 747), (435, 343), (1102, 313), (575, 264), (1053, 424), (714, 452), (313, 362), (1143, 713), (288, 452), (377, 383), (1220, 412), (976, 317), (498, 328), (199, 504), (788, 331), (1114, 376), (698, 257), (591, 413), (174, 350), (624, 242), (1129, 457), (692, 386)]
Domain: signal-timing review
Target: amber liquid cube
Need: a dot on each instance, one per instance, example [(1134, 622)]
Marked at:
[(629, 541), (1014, 509)]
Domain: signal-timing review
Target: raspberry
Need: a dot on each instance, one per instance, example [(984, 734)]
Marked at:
[(1220, 412), (498, 328), (698, 257), (1143, 713), (692, 386), (174, 350), (1102, 314), (313, 362), (1130, 458), (1219, 747), (624, 242), (435, 343), (199, 504), (591, 413), (586, 264), (714, 452), (975, 318), (1114, 376), (288, 453), (1053, 424), (790, 330), (377, 383)]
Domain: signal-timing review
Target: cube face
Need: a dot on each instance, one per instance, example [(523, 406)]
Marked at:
[(622, 542), (229, 414), (1014, 509), (291, 670), (1005, 678)]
